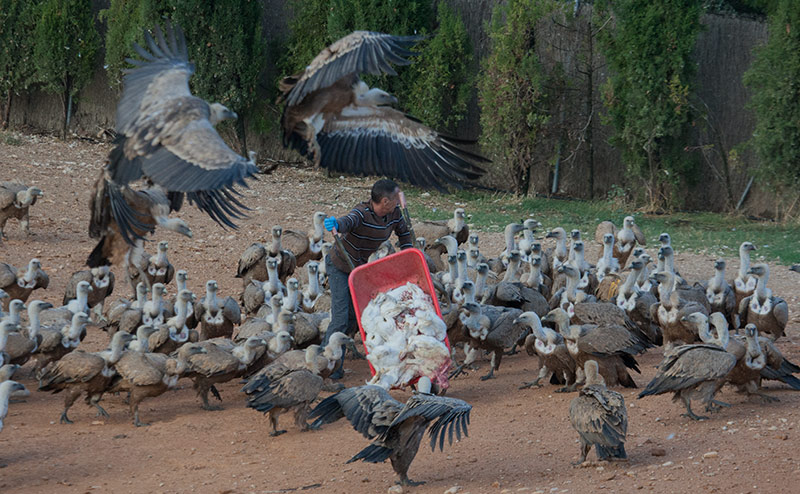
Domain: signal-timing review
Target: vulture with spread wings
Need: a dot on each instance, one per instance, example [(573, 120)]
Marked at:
[(167, 135), (333, 118)]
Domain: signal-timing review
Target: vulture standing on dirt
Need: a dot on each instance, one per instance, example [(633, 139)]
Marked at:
[(600, 417), (627, 237), (768, 312), (81, 372), (491, 328), (332, 117), (745, 283), (166, 135), (101, 279), (15, 202), (217, 316), (21, 287), (554, 358), (720, 295), (396, 429), (6, 389), (432, 230)]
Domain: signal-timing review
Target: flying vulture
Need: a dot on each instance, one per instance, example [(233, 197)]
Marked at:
[(333, 118), (167, 135)]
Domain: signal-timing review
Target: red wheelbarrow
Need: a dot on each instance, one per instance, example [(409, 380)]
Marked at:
[(389, 272)]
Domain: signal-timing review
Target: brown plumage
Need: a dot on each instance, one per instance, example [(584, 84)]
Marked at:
[(21, 285), (692, 372), (166, 134), (15, 202), (636, 303), (555, 362), (330, 113), (217, 316), (396, 429), (608, 314), (626, 238), (101, 280), (750, 362), (720, 295), (147, 375), (769, 313), (81, 372), (599, 416), (491, 328), (671, 311), (613, 347)]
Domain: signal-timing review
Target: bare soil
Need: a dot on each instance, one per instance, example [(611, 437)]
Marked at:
[(520, 441)]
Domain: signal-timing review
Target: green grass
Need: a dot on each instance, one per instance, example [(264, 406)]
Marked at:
[(10, 139), (709, 233)]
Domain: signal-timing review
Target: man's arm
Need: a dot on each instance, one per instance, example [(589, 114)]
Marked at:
[(350, 221)]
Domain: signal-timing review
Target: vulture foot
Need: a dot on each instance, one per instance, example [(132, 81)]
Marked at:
[(276, 433), (690, 414), (531, 384), (64, 419), (101, 412), (212, 408), (405, 481), (513, 351), (715, 406), (567, 389), (457, 372), (488, 376), (767, 398), (136, 420)]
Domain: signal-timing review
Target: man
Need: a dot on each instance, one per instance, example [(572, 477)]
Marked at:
[(362, 230)]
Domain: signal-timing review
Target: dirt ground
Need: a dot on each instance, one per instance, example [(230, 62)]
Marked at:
[(519, 441)]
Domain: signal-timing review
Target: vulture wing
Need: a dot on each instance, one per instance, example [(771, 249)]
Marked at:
[(690, 365), (370, 409), (358, 52), (451, 414), (165, 133), (379, 140), (71, 290)]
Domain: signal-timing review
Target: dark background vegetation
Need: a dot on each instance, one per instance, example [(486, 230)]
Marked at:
[(676, 104)]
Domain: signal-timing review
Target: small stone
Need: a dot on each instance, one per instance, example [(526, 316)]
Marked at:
[(710, 454), (667, 464), (453, 490), (658, 452), (496, 484), (97, 422), (395, 489)]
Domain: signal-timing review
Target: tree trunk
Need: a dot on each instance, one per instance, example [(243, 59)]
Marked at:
[(241, 134), (7, 110)]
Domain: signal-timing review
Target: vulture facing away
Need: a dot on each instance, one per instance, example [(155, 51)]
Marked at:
[(333, 118), (167, 135), (396, 429)]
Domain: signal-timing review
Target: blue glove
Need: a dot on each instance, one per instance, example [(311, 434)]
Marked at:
[(331, 223)]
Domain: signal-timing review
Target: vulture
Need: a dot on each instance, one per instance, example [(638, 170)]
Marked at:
[(432, 230), (600, 417), (21, 286), (81, 372), (745, 283), (167, 135), (636, 303), (750, 363), (492, 328), (101, 279), (217, 316), (549, 347), (626, 238), (7, 372), (720, 295), (332, 117), (396, 429), (768, 312), (6, 390), (15, 202)]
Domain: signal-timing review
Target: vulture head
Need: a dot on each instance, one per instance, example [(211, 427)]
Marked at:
[(719, 265), (473, 239), (628, 222), (665, 239), (746, 247), (759, 270), (575, 235), (366, 96), (592, 372), (608, 239), (219, 112)]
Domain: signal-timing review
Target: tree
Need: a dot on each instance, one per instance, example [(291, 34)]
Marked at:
[(646, 96), (441, 77), (16, 50), (774, 78), (65, 46), (126, 21), (513, 88)]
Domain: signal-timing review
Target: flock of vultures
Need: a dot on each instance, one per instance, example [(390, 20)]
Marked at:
[(585, 323)]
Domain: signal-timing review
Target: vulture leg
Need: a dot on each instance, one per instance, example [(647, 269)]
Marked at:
[(457, 372), (535, 383), (580, 378), (354, 351), (134, 405), (202, 391), (94, 401), (25, 223), (520, 342), (214, 392), (273, 419), (497, 355), (69, 399), (405, 481), (585, 447), (689, 413), (300, 417)]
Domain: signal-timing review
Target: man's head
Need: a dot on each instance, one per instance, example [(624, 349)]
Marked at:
[(385, 195)]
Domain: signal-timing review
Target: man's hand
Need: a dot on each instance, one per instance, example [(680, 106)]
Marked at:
[(331, 223)]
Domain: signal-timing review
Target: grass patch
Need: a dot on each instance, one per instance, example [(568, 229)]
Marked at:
[(708, 233), (10, 139)]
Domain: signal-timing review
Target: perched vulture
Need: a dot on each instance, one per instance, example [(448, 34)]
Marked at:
[(333, 118), (167, 135), (15, 202), (396, 429), (17, 286)]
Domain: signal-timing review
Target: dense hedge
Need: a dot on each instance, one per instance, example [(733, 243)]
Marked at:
[(17, 22)]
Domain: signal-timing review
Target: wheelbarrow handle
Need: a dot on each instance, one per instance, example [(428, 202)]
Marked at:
[(340, 244)]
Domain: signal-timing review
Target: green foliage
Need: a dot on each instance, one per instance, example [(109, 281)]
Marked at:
[(513, 87), (65, 45), (773, 79), (226, 44), (648, 54), (308, 34), (16, 47), (441, 77), (126, 22)]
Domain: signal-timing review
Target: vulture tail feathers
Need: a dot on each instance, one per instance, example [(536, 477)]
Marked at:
[(328, 411), (97, 258), (783, 374), (374, 453), (630, 362)]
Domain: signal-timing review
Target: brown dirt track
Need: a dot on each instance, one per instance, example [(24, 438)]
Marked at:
[(520, 441)]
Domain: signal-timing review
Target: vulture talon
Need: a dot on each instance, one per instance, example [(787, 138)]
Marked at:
[(531, 384), (277, 433)]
